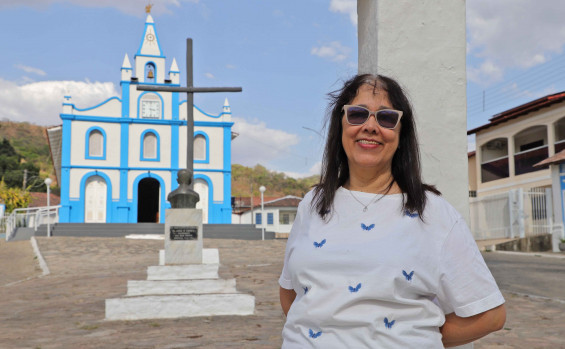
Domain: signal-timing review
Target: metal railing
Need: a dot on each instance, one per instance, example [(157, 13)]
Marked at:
[(29, 218), (517, 213)]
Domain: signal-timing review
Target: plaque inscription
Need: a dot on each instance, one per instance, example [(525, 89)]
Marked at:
[(184, 233)]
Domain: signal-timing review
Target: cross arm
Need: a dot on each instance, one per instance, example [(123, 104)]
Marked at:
[(187, 89)]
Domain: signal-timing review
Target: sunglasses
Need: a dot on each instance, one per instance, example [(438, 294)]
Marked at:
[(386, 118)]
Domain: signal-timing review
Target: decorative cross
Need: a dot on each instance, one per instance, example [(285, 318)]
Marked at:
[(190, 90)]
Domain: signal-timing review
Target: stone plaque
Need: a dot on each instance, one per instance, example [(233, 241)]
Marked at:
[(183, 233)]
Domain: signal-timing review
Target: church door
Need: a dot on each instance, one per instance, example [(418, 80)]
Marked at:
[(148, 201), (95, 200), (201, 187)]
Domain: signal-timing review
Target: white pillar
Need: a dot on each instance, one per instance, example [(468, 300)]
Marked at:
[(511, 167), (422, 44), (367, 32)]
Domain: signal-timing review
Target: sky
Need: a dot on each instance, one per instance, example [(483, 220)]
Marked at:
[(285, 57)]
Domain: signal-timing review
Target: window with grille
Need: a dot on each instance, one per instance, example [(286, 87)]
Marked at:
[(149, 146), (270, 218), (199, 147)]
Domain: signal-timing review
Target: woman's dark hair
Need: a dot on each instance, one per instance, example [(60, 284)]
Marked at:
[(405, 167)]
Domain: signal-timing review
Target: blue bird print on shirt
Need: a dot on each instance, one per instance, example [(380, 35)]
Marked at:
[(319, 244), (408, 276), (389, 324), (313, 334), (355, 289), (410, 214), (305, 289), (367, 227)]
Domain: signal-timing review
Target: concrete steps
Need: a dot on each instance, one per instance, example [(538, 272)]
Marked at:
[(178, 306), (177, 291), (210, 231), (175, 287), (183, 272)]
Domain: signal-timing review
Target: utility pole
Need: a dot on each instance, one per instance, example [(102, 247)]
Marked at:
[(25, 180)]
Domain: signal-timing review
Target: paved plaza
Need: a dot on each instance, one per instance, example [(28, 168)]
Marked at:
[(65, 309)]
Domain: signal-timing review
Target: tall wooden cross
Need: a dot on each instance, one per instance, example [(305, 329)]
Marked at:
[(189, 90)]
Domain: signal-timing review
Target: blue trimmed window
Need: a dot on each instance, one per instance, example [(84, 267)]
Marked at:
[(270, 218), (150, 146), (95, 148), (201, 148), (258, 219)]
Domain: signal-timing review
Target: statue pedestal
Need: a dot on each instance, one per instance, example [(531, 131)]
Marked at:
[(183, 236), (186, 283)]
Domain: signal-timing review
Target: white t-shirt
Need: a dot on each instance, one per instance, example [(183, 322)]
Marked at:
[(381, 278)]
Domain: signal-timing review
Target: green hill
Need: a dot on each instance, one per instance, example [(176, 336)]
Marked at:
[(30, 142), (277, 183)]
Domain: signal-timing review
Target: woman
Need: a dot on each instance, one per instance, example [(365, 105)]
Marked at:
[(375, 257)]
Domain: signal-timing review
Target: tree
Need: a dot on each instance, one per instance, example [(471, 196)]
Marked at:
[(13, 197)]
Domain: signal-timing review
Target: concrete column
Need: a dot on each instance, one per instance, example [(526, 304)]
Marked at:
[(422, 44), (511, 167), (551, 139), (367, 32)]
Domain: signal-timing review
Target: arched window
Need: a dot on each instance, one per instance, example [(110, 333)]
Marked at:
[(201, 148), (149, 146), (95, 144)]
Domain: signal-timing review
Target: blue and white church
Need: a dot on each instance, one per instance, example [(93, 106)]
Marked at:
[(117, 161)]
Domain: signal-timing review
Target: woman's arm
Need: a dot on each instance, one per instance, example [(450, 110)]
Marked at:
[(462, 330), (287, 297)]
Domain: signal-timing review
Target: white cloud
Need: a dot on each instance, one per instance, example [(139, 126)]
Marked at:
[(514, 33), (41, 102), (131, 7), (486, 74), (258, 144), (316, 169), (230, 66), (210, 75), (334, 51), (31, 70), (349, 7)]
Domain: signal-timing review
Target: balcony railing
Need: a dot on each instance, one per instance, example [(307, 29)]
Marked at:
[(524, 161), (494, 169), (559, 146)]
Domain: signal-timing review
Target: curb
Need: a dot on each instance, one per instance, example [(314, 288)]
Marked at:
[(533, 254), (42, 263)]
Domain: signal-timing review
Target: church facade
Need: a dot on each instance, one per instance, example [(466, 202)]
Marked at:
[(117, 161)]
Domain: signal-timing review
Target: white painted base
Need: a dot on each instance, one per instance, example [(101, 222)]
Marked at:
[(147, 287), (171, 307), (183, 272), (209, 256), (177, 291)]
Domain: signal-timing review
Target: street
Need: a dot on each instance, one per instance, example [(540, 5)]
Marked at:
[(527, 274)]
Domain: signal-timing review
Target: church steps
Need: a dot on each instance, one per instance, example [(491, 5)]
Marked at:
[(210, 231)]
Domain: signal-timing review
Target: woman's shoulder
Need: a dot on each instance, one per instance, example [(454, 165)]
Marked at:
[(439, 209)]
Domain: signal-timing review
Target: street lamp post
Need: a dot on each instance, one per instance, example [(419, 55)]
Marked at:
[(262, 190), (48, 184)]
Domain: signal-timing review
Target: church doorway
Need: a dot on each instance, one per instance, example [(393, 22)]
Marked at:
[(148, 200), (95, 200)]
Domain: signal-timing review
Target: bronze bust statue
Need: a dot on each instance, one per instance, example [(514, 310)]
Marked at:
[(183, 196)]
